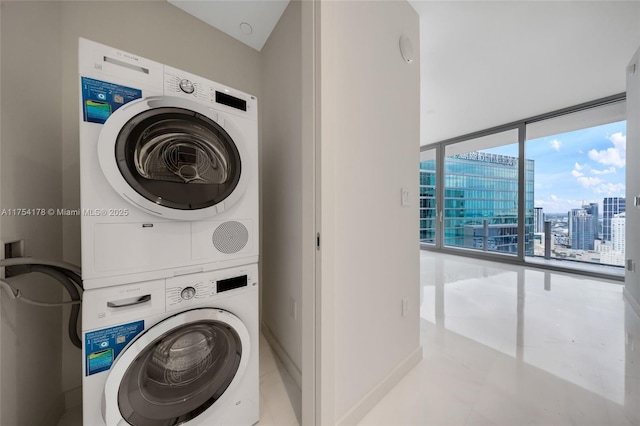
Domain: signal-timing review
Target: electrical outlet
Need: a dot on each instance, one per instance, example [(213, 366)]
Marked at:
[(405, 197), (631, 265)]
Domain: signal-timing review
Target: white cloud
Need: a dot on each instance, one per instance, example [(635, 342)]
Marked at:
[(603, 172), (589, 182), (611, 189), (612, 156), (576, 172), (618, 140), (555, 144), (598, 186)]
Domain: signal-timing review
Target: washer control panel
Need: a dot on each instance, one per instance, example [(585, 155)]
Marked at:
[(193, 291), (197, 288)]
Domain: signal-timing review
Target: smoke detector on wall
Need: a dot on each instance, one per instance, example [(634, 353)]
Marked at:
[(250, 21)]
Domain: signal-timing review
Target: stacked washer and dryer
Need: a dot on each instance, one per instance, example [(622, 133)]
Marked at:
[(169, 200)]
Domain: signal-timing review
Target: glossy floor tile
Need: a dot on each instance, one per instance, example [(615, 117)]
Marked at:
[(508, 345), (280, 398)]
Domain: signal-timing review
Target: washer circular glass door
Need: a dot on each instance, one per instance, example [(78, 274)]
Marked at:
[(172, 158), (178, 369)]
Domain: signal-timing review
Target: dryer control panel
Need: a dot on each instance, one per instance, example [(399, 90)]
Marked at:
[(215, 95)]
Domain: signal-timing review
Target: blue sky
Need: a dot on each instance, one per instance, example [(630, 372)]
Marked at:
[(578, 167)]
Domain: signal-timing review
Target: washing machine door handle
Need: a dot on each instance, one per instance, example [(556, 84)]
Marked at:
[(129, 301)]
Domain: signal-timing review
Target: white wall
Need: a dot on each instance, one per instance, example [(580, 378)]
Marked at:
[(31, 178), (1, 297), (38, 36), (487, 63), (369, 150), (632, 278), (282, 190)]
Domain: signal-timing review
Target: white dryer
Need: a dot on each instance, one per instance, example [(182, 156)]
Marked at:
[(168, 169), (180, 350)]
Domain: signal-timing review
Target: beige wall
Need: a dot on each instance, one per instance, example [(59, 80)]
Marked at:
[(281, 182), (31, 178), (39, 51), (369, 150)]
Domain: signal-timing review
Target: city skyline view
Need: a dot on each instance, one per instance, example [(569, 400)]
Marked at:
[(576, 168), (574, 182)]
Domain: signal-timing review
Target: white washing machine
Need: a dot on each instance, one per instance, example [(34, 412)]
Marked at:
[(168, 169), (180, 350)]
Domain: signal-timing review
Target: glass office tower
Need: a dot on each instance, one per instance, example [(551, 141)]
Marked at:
[(428, 201), (480, 202)]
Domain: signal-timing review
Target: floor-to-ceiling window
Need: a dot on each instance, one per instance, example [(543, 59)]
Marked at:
[(579, 194), (481, 178), (545, 189)]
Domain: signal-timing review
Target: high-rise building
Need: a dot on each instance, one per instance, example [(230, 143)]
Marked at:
[(592, 209), (538, 219), (428, 201), (581, 229), (610, 207), (617, 232), (480, 202)]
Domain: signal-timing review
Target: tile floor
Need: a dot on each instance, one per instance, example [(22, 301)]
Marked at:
[(280, 397), (507, 345)]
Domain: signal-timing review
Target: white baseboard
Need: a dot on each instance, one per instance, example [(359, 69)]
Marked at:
[(376, 394), (632, 301), (282, 355)]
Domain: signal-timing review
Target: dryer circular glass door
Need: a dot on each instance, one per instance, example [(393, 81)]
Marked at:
[(172, 158), (178, 369)]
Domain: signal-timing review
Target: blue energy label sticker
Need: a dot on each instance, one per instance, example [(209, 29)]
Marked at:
[(100, 99), (103, 346)]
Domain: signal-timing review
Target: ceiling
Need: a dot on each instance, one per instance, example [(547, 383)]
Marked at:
[(249, 21), (488, 63)]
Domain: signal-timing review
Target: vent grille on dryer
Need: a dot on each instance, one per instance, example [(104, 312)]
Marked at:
[(230, 237)]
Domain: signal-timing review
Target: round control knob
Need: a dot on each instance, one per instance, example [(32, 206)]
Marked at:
[(186, 86), (188, 293)]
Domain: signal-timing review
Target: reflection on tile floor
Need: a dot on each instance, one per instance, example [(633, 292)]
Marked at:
[(280, 398), (507, 345)]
